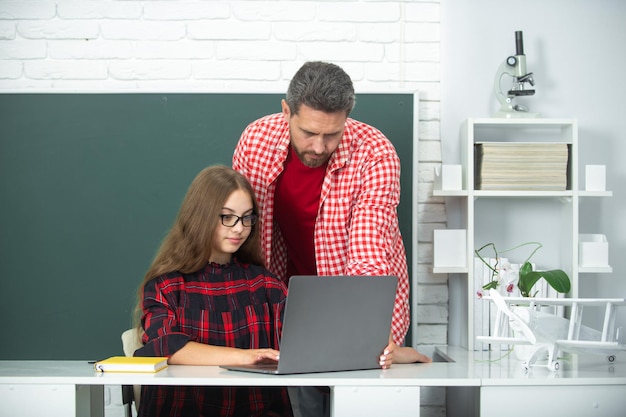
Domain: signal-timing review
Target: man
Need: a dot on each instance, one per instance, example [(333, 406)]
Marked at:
[(328, 187)]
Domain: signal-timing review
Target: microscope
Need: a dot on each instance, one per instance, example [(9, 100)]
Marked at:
[(515, 67)]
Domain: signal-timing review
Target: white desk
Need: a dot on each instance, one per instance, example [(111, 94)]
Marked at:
[(585, 385)]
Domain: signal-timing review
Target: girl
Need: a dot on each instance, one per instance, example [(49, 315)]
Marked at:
[(208, 300)]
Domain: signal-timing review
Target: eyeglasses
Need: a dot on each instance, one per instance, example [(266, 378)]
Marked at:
[(230, 220)]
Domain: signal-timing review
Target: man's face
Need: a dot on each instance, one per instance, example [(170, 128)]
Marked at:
[(314, 134)]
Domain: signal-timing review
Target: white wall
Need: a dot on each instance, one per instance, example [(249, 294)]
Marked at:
[(575, 49)]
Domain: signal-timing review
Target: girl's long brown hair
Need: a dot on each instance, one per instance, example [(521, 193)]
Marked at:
[(187, 246)]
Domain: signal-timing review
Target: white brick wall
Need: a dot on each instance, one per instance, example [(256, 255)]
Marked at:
[(248, 45)]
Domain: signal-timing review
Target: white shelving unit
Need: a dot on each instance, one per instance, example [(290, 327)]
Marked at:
[(509, 218)]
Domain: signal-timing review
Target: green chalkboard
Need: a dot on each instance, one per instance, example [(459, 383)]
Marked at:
[(90, 184)]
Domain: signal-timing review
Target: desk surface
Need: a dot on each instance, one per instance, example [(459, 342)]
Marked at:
[(469, 369)]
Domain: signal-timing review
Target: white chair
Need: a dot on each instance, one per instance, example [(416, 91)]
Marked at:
[(131, 341)]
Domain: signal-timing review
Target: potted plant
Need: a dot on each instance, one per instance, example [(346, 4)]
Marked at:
[(527, 277)]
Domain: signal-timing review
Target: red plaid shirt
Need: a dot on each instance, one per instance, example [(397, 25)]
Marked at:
[(235, 305), (357, 231)]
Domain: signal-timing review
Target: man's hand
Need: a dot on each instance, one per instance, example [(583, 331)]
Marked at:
[(401, 354)]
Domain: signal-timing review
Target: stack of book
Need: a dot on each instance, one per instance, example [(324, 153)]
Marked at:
[(521, 166)]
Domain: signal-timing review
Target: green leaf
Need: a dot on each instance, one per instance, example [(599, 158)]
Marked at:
[(525, 269), (556, 278), (527, 279)]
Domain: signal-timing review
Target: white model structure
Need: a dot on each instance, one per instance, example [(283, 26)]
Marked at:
[(524, 321)]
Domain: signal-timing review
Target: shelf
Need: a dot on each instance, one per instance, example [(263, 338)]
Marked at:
[(543, 194), (584, 193), (522, 122), (581, 269), (507, 216), (490, 193), (595, 269), (450, 193), (450, 270), (507, 194)]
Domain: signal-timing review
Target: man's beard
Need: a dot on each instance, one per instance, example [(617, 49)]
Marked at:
[(311, 159)]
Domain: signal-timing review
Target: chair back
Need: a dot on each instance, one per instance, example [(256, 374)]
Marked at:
[(131, 341)]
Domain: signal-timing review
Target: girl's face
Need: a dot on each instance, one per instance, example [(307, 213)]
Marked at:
[(227, 240)]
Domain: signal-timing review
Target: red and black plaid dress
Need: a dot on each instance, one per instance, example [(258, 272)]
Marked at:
[(235, 305)]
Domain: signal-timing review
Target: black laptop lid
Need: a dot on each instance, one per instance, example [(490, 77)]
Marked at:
[(336, 323)]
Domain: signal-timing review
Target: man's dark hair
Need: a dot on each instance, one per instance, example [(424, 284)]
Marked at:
[(321, 86)]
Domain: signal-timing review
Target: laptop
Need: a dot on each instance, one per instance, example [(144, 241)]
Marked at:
[(337, 323)]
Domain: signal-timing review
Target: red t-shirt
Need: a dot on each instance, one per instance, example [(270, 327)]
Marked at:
[(297, 200)]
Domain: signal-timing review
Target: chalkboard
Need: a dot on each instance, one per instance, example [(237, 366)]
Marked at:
[(90, 184)]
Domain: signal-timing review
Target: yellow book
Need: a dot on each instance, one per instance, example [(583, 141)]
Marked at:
[(131, 364)]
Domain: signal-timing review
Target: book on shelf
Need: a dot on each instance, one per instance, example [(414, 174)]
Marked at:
[(131, 364), (521, 166)]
